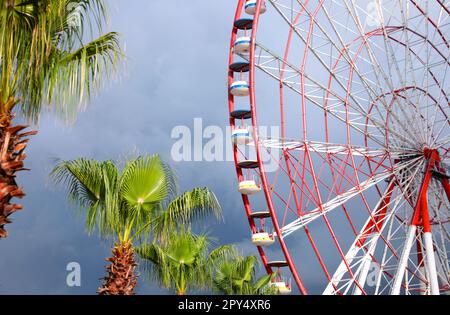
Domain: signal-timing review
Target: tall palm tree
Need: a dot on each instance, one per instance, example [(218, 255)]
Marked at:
[(183, 261), (126, 204), (53, 55), (237, 277)]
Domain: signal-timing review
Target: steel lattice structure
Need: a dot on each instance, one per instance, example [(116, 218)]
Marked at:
[(359, 200)]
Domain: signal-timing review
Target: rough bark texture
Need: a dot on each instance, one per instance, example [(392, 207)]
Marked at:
[(12, 145), (121, 278)]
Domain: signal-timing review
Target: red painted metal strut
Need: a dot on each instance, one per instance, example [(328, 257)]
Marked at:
[(376, 222), (446, 186), (421, 216), (247, 206)]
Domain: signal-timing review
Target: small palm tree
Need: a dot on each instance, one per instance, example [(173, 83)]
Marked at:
[(237, 277), (126, 204), (183, 262), (53, 55)]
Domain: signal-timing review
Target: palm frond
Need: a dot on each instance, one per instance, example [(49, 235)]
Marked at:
[(191, 206), (84, 180), (236, 276), (144, 182), (245, 267), (80, 12), (187, 260), (154, 262), (90, 186), (118, 202), (45, 58), (220, 254), (71, 77), (263, 282)]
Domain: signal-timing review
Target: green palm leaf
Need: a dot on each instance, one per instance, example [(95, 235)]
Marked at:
[(130, 204), (46, 59), (182, 262), (191, 206), (236, 276), (91, 186), (145, 182), (263, 282), (84, 179)]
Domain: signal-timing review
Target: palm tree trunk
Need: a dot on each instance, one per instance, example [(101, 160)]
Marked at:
[(12, 146), (121, 278), (10, 3)]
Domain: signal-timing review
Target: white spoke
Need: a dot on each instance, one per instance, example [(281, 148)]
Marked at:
[(332, 148), (341, 199)]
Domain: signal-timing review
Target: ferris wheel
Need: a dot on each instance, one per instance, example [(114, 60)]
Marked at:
[(358, 200)]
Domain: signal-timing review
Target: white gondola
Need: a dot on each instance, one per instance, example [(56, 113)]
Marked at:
[(242, 45), (263, 239), (240, 88), (249, 187), (241, 136), (250, 7), (282, 287)]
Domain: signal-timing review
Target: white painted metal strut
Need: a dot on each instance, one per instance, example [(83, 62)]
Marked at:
[(333, 148), (341, 199), (356, 248), (411, 236), (266, 57)]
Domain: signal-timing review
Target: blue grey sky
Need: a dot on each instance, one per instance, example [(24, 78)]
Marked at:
[(171, 47)]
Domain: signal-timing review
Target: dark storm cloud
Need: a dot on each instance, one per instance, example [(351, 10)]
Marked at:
[(173, 48)]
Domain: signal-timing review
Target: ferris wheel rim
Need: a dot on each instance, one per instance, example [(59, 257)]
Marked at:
[(265, 184)]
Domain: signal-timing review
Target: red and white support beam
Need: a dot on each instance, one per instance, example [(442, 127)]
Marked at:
[(421, 218)]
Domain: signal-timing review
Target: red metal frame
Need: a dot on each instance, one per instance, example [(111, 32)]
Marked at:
[(421, 216), (245, 199), (292, 165), (265, 185)]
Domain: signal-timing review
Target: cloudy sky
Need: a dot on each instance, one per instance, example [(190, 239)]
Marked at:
[(172, 47), (175, 79)]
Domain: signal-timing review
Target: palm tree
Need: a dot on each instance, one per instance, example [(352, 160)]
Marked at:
[(183, 261), (237, 277), (53, 55), (126, 204)]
